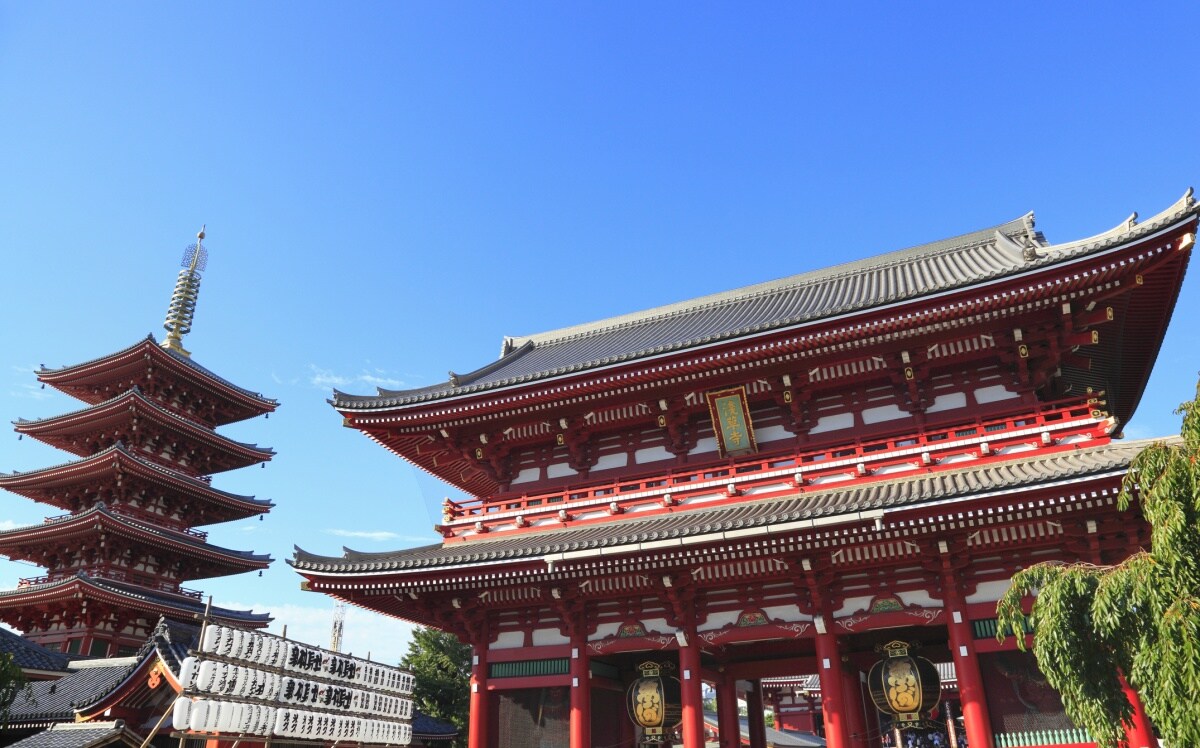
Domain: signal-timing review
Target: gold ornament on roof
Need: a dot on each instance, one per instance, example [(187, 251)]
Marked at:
[(183, 299)]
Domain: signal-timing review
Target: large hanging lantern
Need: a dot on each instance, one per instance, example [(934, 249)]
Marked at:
[(904, 686), (653, 702)]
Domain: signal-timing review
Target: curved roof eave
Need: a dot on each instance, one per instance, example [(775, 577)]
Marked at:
[(1006, 250)]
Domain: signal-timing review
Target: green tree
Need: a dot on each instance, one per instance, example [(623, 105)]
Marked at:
[(1140, 618), (12, 683), (441, 665)]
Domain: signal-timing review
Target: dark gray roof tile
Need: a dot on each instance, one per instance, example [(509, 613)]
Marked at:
[(30, 656), (814, 502), (948, 264)]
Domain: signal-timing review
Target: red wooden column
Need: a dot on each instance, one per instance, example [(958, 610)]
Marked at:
[(973, 701), (754, 715), (691, 692), (1139, 734), (477, 736), (581, 695), (727, 712), (856, 718), (832, 702)]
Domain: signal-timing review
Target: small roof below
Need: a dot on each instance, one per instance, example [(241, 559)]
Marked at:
[(81, 735), (431, 728), (55, 700), (1023, 470), (30, 656), (958, 262)]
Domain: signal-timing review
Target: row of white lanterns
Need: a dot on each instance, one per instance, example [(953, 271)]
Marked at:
[(225, 679), (204, 714), (272, 651)]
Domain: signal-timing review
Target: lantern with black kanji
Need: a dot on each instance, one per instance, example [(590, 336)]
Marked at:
[(653, 702), (904, 686)]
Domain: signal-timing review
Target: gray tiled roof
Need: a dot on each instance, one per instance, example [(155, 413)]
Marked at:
[(814, 503), (134, 394), (187, 361), (102, 456), (30, 656), (430, 727), (181, 603), (945, 265), (53, 700), (83, 735), (102, 510)]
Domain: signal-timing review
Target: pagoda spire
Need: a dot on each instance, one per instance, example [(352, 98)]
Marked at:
[(183, 299)]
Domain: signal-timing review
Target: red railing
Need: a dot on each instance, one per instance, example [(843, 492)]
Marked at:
[(861, 457)]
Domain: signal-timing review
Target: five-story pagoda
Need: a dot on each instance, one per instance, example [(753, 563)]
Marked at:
[(147, 444)]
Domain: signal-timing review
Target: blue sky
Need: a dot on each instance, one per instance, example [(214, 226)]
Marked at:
[(390, 188)]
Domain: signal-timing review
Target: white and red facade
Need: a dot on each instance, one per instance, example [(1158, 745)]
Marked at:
[(924, 424)]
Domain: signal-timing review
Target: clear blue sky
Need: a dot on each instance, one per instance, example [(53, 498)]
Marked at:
[(390, 188)]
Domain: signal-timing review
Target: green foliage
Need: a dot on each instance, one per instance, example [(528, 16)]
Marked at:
[(1140, 618), (442, 667), (12, 683)]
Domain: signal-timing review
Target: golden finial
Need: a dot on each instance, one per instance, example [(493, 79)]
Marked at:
[(183, 300)]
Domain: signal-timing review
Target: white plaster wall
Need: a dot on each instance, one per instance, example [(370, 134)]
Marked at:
[(604, 631), (651, 454), (853, 605), (545, 637), (717, 620), (508, 640), (993, 394), (919, 597), (657, 625), (789, 613), (833, 423), (989, 592), (771, 433), (949, 401), (883, 413), (607, 462), (527, 475), (707, 444), (559, 470)]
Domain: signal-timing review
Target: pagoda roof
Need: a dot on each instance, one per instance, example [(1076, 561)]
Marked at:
[(101, 517), (30, 656), (118, 458), (127, 596), (72, 379), (1024, 471), (974, 259), (81, 735), (119, 408)]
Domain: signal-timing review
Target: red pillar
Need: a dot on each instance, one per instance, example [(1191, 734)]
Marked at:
[(477, 736), (856, 718), (691, 694), (581, 695), (973, 702), (754, 716), (727, 713), (829, 670), (1139, 734)]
